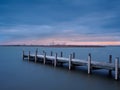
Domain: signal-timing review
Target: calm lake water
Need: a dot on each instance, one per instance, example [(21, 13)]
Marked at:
[(16, 74)]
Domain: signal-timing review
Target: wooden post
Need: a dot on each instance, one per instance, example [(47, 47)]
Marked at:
[(51, 53), (29, 56), (61, 54), (43, 51), (55, 61), (44, 61), (110, 61), (36, 52), (73, 55), (70, 61), (23, 54), (116, 68), (89, 63)]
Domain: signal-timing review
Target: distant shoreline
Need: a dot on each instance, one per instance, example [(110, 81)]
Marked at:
[(61, 45)]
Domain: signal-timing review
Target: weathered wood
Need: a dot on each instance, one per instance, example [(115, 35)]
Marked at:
[(110, 58), (29, 56), (44, 61), (61, 54), (51, 53), (110, 61), (116, 68), (43, 51), (23, 54), (55, 61), (73, 55), (70, 60), (89, 63), (77, 62), (36, 52)]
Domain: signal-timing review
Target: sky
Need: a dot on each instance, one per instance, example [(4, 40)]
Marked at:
[(69, 22)]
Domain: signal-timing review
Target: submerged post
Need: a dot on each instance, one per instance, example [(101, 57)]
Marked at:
[(29, 56), (116, 68), (89, 63), (70, 61), (61, 54), (110, 61), (36, 52), (55, 61), (23, 54), (44, 61), (73, 55)]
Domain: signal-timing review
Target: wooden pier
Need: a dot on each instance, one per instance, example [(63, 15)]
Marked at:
[(72, 62)]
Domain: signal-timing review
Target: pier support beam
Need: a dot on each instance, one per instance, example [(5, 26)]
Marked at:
[(44, 60), (23, 54), (73, 56), (51, 53), (70, 61), (43, 51), (36, 52), (110, 61), (61, 54), (89, 63), (29, 56), (55, 61), (116, 68)]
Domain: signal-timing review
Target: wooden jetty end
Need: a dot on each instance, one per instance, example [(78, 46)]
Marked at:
[(72, 61)]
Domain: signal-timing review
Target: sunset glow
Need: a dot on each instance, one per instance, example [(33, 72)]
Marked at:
[(60, 42)]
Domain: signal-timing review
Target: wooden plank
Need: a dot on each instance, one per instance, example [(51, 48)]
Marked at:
[(40, 56), (79, 62), (62, 60), (50, 58), (102, 65)]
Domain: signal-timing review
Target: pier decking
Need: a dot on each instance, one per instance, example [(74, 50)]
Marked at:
[(72, 62)]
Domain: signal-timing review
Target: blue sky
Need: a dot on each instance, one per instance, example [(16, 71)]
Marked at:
[(60, 22)]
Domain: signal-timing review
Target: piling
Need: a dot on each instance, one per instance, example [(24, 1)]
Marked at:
[(70, 61), (89, 63), (73, 56), (61, 54), (23, 54), (51, 53), (29, 56), (43, 51), (55, 61), (44, 61), (116, 68), (36, 52), (110, 61)]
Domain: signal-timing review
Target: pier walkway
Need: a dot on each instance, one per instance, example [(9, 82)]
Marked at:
[(72, 62)]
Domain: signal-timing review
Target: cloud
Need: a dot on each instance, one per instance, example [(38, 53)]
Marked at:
[(59, 21), (82, 29)]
